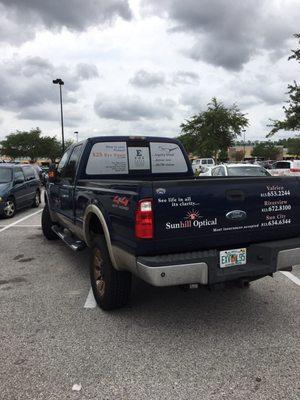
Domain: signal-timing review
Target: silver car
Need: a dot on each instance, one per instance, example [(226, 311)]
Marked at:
[(238, 170)]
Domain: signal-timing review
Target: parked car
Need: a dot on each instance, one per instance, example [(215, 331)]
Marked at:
[(19, 187), (266, 163), (44, 175), (205, 171), (135, 203), (198, 163), (239, 170), (286, 167)]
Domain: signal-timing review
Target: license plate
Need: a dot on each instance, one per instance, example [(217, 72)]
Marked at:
[(230, 258)]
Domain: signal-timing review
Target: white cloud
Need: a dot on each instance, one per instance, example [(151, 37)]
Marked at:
[(143, 74), (132, 108), (146, 79), (20, 20)]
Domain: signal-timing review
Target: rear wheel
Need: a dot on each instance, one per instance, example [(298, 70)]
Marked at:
[(111, 288), (37, 199), (47, 224), (9, 208)]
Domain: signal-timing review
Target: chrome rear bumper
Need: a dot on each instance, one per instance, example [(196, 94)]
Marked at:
[(172, 275), (203, 266)]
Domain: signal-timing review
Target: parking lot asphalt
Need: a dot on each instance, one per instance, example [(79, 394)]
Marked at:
[(167, 344)]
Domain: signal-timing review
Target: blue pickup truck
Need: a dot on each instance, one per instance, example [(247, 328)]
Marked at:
[(134, 201)]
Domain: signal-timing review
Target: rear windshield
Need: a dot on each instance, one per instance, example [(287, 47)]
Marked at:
[(113, 158), (282, 165), (207, 161), (247, 171), (5, 175), (296, 164)]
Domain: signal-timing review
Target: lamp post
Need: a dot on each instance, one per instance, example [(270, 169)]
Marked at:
[(60, 82), (76, 134), (244, 132)]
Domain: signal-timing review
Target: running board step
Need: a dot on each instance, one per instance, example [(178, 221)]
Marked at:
[(74, 243)]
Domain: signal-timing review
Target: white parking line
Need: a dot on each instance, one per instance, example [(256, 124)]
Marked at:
[(291, 277), (90, 300), (23, 226), (20, 220)]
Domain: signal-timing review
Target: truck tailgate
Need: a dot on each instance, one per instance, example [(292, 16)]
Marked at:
[(224, 212)]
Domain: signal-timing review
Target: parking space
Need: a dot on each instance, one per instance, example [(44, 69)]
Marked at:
[(24, 217), (167, 344)]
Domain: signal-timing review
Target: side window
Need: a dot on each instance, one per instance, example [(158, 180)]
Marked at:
[(29, 173), (62, 166), (215, 171), (282, 165), (18, 175), (68, 174), (221, 171), (63, 162)]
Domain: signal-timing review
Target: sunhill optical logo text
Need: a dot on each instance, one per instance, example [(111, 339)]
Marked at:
[(192, 220)]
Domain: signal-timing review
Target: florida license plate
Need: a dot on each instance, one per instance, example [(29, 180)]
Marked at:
[(230, 258)]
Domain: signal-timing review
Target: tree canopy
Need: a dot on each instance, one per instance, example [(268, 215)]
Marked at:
[(266, 150), (32, 145), (292, 144), (291, 122), (213, 130)]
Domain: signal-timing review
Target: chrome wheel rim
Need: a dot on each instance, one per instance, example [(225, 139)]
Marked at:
[(37, 199), (98, 272), (9, 208)]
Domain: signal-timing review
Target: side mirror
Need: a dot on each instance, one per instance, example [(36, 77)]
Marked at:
[(52, 174)]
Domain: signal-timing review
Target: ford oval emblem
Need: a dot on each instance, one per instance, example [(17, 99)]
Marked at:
[(236, 215)]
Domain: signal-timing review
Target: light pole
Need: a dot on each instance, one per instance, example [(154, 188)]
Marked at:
[(60, 82), (76, 134), (244, 132)]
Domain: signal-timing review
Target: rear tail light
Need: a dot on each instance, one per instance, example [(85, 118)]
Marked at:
[(144, 219), (295, 169)]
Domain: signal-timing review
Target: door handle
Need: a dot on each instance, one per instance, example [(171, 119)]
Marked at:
[(235, 196)]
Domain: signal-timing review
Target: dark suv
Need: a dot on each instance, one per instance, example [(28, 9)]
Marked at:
[(19, 187)]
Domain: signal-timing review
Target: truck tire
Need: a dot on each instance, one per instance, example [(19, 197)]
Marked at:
[(111, 288), (47, 224)]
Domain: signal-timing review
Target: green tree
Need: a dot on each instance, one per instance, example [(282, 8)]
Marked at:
[(213, 130), (50, 148), (293, 146), (291, 122), (32, 145), (188, 142), (266, 150), (22, 144), (223, 155)]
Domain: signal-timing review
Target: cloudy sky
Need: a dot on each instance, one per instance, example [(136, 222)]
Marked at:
[(143, 66)]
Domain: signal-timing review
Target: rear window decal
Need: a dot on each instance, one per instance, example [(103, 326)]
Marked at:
[(167, 157), (108, 158), (139, 158)]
